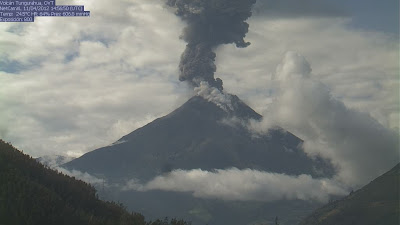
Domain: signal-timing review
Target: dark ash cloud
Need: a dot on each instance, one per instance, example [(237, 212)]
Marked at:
[(209, 23)]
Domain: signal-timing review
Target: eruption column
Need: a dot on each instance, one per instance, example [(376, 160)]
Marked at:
[(209, 23)]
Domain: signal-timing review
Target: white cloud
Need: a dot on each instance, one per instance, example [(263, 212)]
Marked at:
[(360, 67), (357, 144), (85, 82), (243, 185), (54, 161), (86, 177)]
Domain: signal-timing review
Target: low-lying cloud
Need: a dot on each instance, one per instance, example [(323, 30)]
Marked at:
[(84, 176), (243, 185)]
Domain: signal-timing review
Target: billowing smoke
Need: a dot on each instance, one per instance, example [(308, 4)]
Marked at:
[(209, 23)]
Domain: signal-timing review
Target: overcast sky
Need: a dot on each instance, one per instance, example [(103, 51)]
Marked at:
[(70, 85)]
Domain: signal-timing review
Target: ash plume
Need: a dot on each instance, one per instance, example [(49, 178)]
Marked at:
[(209, 23)]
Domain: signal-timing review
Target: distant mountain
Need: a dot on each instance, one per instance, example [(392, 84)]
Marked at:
[(32, 194), (54, 161), (204, 135), (377, 203), (197, 135)]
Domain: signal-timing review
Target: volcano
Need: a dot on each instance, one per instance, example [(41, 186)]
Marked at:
[(208, 135), (200, 135)]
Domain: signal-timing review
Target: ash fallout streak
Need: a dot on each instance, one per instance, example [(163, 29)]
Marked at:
[(209, 23)]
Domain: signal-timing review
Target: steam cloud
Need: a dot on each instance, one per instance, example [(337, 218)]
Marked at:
[(209, 23), (215, 96), (359, 146)]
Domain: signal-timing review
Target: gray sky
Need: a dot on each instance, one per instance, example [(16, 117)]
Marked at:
[(372, 14), (369, 14)]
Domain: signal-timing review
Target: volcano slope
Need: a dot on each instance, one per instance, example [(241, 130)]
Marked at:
[(201, 135)]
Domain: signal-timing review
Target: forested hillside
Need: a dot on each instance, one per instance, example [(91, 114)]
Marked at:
[(31, 193), (377, 203)]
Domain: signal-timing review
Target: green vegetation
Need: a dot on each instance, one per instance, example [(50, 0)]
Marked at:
[(31, 194)]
